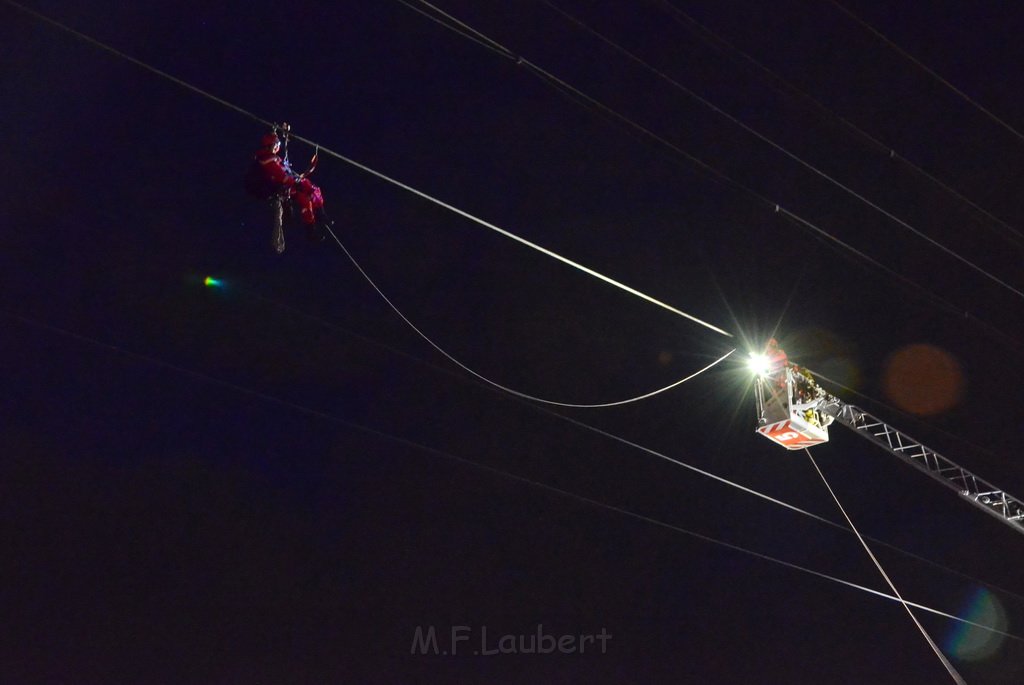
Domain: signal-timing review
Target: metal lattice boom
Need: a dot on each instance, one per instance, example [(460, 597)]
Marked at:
[(973, 489)]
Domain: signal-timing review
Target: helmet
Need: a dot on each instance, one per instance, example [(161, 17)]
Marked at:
[(270, 140)]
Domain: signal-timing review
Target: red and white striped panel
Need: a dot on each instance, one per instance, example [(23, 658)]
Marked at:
[(794, 434)]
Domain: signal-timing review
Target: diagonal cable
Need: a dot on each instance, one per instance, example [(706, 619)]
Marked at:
[(779, 148), (931, 643), (774, 80), (374, 172), (573, 93), (460, 28), (931, 72)]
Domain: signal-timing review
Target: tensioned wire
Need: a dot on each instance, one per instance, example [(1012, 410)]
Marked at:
[(931, 72), (374, 172), (571, 92), (779, 148), (327, 416), (773, 80)]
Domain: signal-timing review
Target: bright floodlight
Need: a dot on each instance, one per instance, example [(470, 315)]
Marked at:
[(758, 364)]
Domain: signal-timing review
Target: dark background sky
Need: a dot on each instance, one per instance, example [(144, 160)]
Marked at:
[(185, 496)]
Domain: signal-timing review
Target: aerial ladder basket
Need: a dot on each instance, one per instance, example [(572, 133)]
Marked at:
[(795, 412), (789, 408)]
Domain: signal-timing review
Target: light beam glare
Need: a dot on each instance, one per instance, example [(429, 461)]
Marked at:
[(758, 364)]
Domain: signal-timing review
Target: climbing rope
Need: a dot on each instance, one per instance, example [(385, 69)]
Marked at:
[(505, 388), (906, 605)]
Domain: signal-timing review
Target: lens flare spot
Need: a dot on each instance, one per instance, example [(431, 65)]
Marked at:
[(923, 379), (211, 282), (972, 643)]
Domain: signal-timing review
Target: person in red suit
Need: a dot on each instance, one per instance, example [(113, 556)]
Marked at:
[(270, 178), (307, 198)]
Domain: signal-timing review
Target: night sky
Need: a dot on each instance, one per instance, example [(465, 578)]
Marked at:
[(277, 481)]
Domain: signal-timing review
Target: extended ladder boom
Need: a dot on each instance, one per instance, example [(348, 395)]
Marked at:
[(795, 412), (973, 489)]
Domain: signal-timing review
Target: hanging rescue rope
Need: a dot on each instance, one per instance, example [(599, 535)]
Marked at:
[(495, 384), (906, 605)]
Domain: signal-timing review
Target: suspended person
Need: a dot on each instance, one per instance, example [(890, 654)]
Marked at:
[(307, 198), (271, 178)]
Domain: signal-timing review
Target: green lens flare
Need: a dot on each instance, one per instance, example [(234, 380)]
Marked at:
[(211, 282), (970, 643)]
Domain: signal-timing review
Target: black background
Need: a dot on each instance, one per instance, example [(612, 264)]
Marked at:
[(187, 495)]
